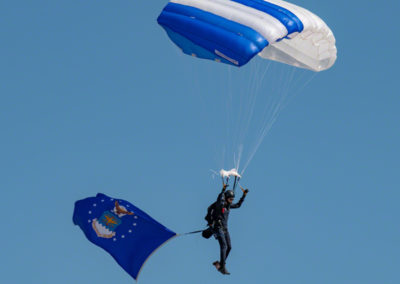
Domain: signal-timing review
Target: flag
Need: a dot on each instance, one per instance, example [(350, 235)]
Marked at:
[(120, 228)]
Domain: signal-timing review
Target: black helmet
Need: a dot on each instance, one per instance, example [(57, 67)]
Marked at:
[(229, 194)]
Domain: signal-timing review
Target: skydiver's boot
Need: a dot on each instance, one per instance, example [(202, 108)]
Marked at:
[(223, 270), (217, 265)]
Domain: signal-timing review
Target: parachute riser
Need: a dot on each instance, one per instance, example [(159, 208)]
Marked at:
[(235, 183)]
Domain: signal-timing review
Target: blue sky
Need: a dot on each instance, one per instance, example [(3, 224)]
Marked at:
[(95, 98)]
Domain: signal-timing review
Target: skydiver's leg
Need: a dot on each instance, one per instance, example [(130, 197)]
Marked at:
[(222, 246), (228, 243), (224, 250)]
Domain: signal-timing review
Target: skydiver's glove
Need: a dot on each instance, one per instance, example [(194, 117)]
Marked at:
[(245, 191)]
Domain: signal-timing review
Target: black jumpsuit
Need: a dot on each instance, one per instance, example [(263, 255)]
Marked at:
[(221, 232)]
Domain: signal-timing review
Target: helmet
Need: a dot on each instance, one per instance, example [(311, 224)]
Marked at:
[(229, 194)]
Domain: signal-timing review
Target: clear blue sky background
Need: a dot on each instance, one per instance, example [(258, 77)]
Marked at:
[(94, 97)]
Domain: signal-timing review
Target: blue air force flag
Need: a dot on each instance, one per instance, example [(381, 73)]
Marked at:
[(120, 228)]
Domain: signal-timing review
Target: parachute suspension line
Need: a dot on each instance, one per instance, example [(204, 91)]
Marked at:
[(229, 106), (248, 100), (288, 91), (251, 105), (191, 233), (270, 116), (254, 92), (242, 109), (302, 86), (237, 160), (241, 112), (248, 111)]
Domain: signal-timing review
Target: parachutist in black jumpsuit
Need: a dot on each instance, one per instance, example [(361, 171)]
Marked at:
[(220, 226)]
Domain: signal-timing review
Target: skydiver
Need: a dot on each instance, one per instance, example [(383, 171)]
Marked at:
[(219, 223)]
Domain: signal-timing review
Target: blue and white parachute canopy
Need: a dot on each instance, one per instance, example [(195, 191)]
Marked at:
[(234, 31)]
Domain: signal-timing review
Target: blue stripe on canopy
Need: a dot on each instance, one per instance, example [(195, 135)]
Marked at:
[(216, 37), (190, 48), (286, 17), (218, 21)]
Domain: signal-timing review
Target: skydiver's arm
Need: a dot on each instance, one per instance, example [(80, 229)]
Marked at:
[(221, 197), (237, 205)]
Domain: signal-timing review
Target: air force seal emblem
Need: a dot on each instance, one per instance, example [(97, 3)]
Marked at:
[(106, 225)]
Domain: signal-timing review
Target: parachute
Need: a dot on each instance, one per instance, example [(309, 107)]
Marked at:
[(234, 31)]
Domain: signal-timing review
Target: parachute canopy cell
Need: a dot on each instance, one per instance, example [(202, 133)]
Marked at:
[(234, 31)]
